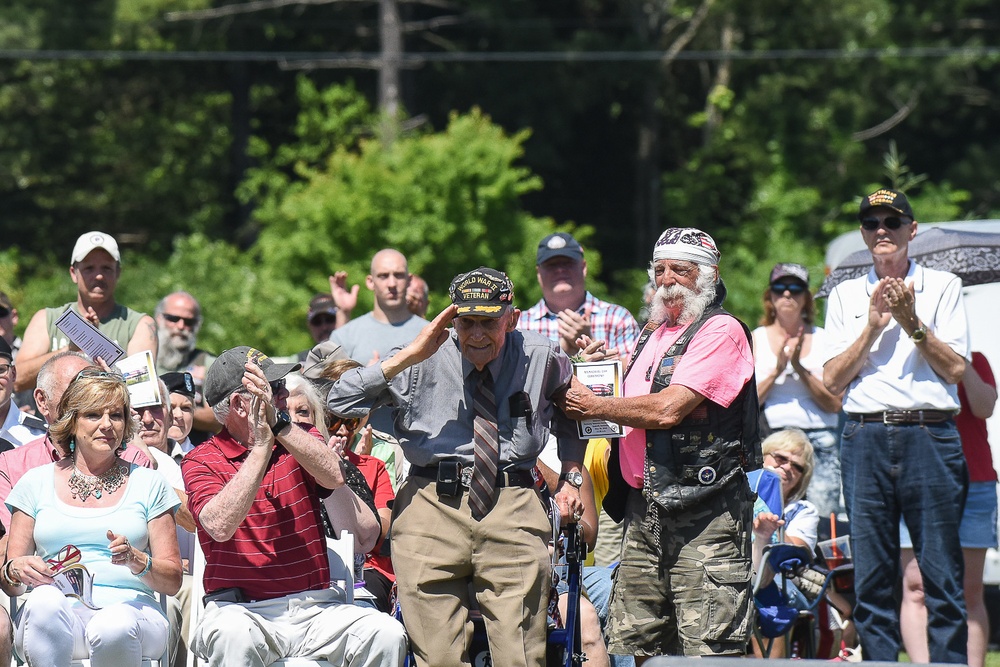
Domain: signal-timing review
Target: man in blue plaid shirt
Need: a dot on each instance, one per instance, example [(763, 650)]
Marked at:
[(567, 310)]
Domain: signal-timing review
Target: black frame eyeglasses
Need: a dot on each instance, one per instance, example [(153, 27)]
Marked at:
[(793, 288), (891, 223)]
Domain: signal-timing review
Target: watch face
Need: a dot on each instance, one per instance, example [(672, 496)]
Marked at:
[(575, 478)]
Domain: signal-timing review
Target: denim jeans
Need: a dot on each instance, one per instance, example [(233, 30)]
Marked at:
[(917, 472)]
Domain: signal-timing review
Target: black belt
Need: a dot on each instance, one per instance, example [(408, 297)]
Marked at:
[(520, 478), (903, 416)]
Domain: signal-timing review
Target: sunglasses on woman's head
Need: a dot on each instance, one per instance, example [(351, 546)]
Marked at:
[(100, 375), (892, 223), (794, 288)]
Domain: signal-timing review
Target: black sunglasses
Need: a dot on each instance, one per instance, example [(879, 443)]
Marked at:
[(4, 312), (277, 386), (322, 318), (892, 223), (189, 322), (794, 288)]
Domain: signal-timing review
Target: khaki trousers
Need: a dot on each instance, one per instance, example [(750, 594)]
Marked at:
[(443, 559)]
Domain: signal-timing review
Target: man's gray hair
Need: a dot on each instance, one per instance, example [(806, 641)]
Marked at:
[(47, 373), (163, 304)]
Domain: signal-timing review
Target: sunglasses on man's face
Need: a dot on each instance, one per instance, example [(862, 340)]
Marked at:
[(892, 223), (4, 312), (793, 288), (189, 322)]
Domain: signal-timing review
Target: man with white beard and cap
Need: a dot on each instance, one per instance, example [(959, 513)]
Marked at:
[(690, 412)]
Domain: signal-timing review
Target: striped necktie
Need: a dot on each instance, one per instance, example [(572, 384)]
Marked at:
[(482, 488)]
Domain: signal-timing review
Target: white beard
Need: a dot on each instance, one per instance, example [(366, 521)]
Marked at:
[(688, 304), (173, 351)]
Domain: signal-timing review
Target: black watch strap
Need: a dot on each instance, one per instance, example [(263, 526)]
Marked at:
[(283, 420)]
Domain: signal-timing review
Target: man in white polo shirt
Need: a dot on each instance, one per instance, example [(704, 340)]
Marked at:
[(901, 342)]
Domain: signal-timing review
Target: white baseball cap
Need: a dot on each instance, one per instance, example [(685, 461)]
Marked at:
[(91, 241)]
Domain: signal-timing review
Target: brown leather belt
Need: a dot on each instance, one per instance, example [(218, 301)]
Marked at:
[(897, 417)]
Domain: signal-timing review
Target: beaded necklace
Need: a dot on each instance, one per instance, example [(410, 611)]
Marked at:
[(83, 486)]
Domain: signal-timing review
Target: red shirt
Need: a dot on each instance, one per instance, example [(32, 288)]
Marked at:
[(279, 548), (380, 483), (973, 429)]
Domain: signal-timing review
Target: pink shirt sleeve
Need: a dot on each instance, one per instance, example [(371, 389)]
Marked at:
[(718, 362)]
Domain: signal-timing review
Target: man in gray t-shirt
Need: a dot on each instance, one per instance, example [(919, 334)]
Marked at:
[(371, 338)]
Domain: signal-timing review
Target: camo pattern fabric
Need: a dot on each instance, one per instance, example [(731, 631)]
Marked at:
[(693, 598)]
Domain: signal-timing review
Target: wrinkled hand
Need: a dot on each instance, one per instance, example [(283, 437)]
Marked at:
[(765, 523), (900, 300), (878, 307), (31, 570), (569, 503), (345, 300), (261, 415), (572, 325), (576, 400), (595, 350), (122, 551), (432, 336)]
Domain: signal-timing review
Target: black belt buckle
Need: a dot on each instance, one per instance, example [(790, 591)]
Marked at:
[(224, 595)]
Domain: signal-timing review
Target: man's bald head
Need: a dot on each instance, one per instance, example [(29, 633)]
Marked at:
[(53, 378)]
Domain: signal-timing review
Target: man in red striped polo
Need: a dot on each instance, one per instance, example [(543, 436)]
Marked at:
[(254, 490)]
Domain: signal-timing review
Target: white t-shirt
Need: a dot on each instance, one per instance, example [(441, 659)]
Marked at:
[(789, 403), (895, 376)]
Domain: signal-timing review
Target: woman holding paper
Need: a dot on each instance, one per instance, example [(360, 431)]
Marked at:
[(91, 508)]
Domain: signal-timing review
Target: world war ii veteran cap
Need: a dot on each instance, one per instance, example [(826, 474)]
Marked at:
[(484, 291), (891, 199), (225, 375), (179, 383), (559, 244)]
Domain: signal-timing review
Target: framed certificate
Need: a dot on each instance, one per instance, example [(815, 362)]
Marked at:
[(604, 378)]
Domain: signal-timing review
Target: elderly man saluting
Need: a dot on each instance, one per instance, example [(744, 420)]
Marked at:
[(690, 406), (901, 341), (472, 409)]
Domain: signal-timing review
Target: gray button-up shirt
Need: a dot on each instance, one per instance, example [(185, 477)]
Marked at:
[(432, 409)]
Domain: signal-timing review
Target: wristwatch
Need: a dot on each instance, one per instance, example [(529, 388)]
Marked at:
[(574, 478), (283, 420), (920, 335)]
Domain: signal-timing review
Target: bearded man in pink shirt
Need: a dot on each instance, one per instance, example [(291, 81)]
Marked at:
[(690, 412)]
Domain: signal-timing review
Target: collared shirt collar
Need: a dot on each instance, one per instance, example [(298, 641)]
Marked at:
[(230, 447), (914, 275), (493, 367)]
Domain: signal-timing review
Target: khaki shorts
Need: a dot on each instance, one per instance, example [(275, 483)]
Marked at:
[(695, 598)]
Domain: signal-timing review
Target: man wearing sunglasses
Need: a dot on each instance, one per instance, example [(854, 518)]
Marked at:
[(901, 342), (95, 267), (473, 406)]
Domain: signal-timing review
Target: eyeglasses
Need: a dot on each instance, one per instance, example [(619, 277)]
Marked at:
[(189, 322), (4, 312), (4, 369), (100, 375), (892, 223), (350, 423), (781, 460), (794, 288), (277, 386)]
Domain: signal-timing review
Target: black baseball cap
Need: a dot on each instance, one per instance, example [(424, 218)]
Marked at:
[(179, 383), (484, 291), (891, 199), (559, 244)]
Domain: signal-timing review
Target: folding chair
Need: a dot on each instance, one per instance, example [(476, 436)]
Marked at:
[(778, 610)]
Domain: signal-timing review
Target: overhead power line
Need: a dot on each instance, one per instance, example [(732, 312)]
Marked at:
[(367, 58)]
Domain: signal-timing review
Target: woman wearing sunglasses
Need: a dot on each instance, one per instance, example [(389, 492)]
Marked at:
[(115, 519), (790, 352)]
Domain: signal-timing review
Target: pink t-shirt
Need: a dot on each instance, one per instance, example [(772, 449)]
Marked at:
[(717, 364)]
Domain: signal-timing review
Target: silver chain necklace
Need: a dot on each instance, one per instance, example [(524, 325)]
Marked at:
[(82, 486)]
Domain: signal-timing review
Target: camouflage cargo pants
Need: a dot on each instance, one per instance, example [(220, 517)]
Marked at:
[(689, 593)]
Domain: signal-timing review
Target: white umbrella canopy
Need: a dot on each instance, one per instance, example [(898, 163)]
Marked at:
[(972, 256)]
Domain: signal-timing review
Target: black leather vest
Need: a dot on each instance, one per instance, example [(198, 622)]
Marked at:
[(711, 448)]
